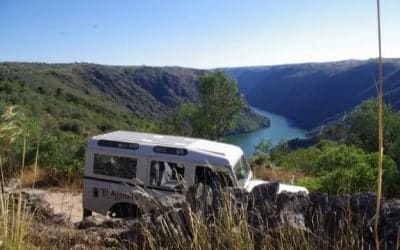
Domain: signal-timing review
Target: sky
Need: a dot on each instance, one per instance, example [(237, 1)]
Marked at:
[(196, 33)]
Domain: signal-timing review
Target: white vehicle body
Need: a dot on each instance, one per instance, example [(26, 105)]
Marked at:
[(120, 163), (282, 187)]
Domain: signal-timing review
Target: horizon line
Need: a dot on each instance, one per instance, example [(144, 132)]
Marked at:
[(202, 68)]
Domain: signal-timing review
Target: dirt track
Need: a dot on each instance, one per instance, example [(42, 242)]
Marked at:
[(63, 202)]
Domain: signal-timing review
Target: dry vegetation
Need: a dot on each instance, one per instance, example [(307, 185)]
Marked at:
[(40, 178), (15, 221), (200, 224), (275, 174), (204, 221)]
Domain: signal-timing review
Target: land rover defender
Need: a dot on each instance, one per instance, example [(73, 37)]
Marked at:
[(121, 164)]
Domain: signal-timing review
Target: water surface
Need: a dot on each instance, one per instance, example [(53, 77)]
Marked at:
[(280, 129)]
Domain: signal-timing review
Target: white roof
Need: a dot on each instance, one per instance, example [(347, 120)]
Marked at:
[(199, 150)]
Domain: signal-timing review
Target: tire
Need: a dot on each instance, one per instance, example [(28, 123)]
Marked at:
[(87, 213), (125, 210)]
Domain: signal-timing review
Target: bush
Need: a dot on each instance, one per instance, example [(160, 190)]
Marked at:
[(261, 153), (348, 180), (301, 159), (71, 125), (391, 174), (259, 159), (340, 156), (263, 147), (311, 183), (62, 155), (342, 169), (363, 130), (105, 126)]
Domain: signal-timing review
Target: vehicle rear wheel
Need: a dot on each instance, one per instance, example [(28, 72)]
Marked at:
[(87, 213), (125, 210)]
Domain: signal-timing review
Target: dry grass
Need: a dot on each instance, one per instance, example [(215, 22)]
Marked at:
[(270, 173), (32, 177), (15, 220), (15, 223), (380, 129), (225, 228), (74, 187), (232, 230), (40, 178)]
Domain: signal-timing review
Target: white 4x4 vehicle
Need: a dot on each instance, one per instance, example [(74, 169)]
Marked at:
[(119, 163)]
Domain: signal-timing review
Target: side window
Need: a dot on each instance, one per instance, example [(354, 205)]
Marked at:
[(212, 179), (205, 176), (224, 179), (167, 174), (115, 166)]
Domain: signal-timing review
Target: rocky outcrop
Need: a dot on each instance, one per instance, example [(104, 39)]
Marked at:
[(330, 221)]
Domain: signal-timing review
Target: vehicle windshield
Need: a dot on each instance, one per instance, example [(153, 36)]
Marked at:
[(242, 170)]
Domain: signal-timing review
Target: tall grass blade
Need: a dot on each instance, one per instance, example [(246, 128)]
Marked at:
[(35, 166), (380, 132)]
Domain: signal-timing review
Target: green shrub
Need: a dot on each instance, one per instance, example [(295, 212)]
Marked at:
[(363, 130), (301, 159), (311, 183), (279, 152), (259, 159), (348, 180), (62, 155), (340, 156), (342, 169), (391, 174), (263, 147), (71, 125)]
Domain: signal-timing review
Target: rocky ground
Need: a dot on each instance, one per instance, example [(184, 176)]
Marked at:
[(56, 218), (61, 202)]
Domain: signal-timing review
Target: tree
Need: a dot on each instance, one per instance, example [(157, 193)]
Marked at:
[(217, 111), (220, 105), (363, 130), (19, 136), (180, 121)]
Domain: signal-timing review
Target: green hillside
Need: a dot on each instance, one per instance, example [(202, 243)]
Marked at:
[(61, 105), (86, 98)]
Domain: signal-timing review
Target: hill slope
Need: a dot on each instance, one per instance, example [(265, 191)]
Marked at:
[(312, 92), (88, 98)]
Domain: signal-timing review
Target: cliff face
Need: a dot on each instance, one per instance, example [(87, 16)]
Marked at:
[(310, 93)]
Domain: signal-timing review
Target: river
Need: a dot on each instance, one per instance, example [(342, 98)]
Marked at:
[(280, 130)]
